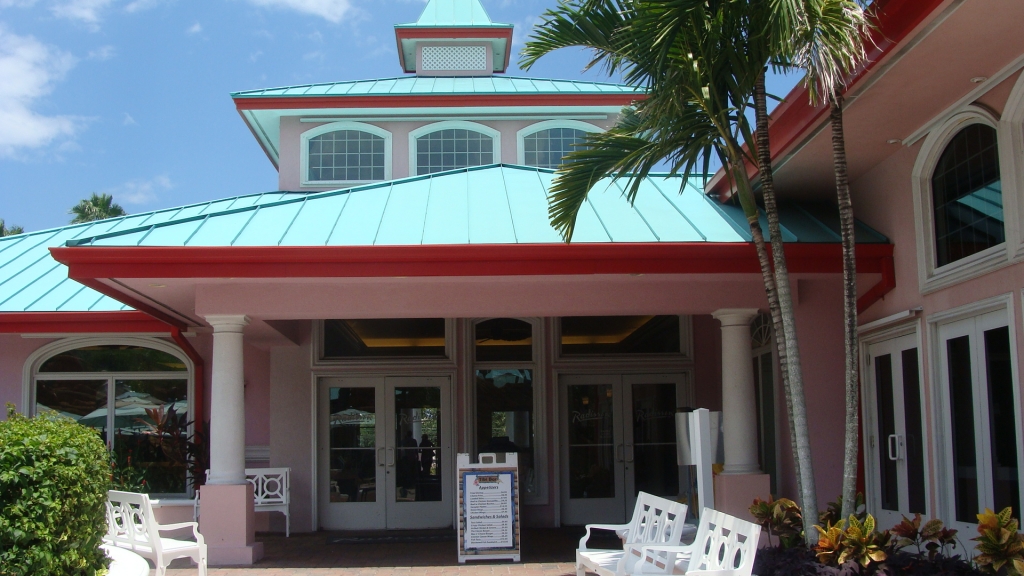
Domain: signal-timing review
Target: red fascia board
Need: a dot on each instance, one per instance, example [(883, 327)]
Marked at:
[(434, 101), (91, 262), (127, 321), (106, 290), (454, 32), (894, 21)]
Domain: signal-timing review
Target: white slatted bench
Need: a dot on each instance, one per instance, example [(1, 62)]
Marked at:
[(130, 525), (271, 492), (724, 546), (655, 520)]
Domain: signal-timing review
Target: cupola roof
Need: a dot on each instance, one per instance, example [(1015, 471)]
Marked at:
[(456, 34)]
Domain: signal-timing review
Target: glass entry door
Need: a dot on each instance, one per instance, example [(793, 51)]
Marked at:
[(385, 453), (895, 431), (618, 439)]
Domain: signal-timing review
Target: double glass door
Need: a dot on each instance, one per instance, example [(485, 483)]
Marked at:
[(385, 453), (895, 447), (618, 438)]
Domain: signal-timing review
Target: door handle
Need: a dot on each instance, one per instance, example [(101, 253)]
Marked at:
[(894, 447), (621, 457), (391, 456), (380, 457), (629, 453)]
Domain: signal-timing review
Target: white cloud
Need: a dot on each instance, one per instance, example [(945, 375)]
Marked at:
[(195, 28), (136, 192), (330, 10), (29, 70), (87, 11), (128, 120), (139, 5), (102, 53)]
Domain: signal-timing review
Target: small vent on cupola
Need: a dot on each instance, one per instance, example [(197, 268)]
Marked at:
[(454, 58)]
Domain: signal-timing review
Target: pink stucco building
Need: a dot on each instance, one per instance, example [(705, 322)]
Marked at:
[(402, 297)]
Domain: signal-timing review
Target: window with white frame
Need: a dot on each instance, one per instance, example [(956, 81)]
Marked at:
[(452, 146), (345, 153), (967, 196), (136, 398), (545, 144)]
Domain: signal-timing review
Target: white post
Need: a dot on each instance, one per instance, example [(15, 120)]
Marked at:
[(227, 401), (739, 409)]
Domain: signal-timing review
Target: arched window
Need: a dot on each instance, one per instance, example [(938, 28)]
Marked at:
[(545, 144), (967, 195), (453, 145), (136, 398), (345, 153)]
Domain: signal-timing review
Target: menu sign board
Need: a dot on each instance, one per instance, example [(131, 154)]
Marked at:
[(488, 508)]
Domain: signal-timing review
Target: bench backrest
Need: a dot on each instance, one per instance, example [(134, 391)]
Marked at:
[(130, 522), (724, 542), (656, 520), (270, 485)]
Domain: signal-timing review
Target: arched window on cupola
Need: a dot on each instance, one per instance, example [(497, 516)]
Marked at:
[(453, 145)]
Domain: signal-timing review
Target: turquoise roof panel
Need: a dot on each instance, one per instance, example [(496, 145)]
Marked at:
[(453, 13), (447, 219), (417, 85), (313, 224), (527, 192), (406, 209), (621, 221)]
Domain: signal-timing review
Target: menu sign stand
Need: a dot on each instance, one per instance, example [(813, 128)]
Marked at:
[(489, 508)]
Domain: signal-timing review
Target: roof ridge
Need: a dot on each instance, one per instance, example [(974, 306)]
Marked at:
[(411, 78)]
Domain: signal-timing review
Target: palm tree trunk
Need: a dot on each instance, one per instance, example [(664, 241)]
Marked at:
[(785, 325), (849, 307)]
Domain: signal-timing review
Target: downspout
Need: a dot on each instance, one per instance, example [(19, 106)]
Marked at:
[(199, 375), (884, 286)]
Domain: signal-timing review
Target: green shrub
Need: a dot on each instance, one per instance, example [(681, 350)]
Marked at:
[(54, 476)]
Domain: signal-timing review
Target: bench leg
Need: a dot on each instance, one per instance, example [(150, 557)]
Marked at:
[(287, 525), (580, 570)]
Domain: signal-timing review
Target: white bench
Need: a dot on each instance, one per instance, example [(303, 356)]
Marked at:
[(655, 520), (724, 546), (130, 525), (271, 492)]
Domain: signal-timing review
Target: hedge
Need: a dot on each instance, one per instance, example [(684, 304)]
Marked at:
[(54, 476)]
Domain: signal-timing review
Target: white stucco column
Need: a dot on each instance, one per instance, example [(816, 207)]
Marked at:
[(739, 409), (227, 401)]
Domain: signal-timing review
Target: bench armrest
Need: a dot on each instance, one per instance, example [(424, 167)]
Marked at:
[(181, 526), (609, 527)]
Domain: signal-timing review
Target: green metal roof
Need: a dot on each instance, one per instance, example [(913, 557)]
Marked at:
[(453, 13), (446, 85), (32, 281), (496, 204)]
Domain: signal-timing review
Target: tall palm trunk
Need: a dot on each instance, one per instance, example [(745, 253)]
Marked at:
[(849, 307), (785, 326)]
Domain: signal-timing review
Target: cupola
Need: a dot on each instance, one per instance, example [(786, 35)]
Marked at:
[(454, 38)]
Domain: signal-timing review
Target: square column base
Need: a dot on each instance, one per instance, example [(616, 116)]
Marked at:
[(228, 524), (734, 493)]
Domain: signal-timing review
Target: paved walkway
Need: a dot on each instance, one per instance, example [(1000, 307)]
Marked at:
[(546, 552)]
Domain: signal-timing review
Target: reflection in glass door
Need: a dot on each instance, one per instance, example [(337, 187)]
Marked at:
[(385, 453), (619, 436), (895, 433)]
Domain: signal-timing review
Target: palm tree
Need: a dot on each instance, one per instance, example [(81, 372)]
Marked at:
[(97, 207), (5, 231), (700, 61), (827, 43)]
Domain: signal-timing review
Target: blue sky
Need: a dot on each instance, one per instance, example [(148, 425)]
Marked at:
[(130, 97)]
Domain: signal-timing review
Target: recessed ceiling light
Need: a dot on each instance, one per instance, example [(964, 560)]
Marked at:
[(979, 79), (158, 285), (893, 141)]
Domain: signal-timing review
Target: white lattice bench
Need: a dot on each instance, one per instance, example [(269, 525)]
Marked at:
[(655, 520), (130, 525), (271, 492), (724, 546)]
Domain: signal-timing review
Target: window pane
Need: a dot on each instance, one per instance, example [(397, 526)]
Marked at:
[(504, 339), (349, 149), (83, 400), (113, 358), (461, 148), (151, 428), (654, 439), (554, 145), (886, 433), (915, 431), (620, 335), (353, 441), (965, 468), (967, 195), (504, 412), (591, 441), (1002, 421), (417, 425), (384, 337)]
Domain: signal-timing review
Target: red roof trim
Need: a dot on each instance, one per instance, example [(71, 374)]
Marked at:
[(79, 322), (434, 100), (895, 20), (473, 33), (91, 262)]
